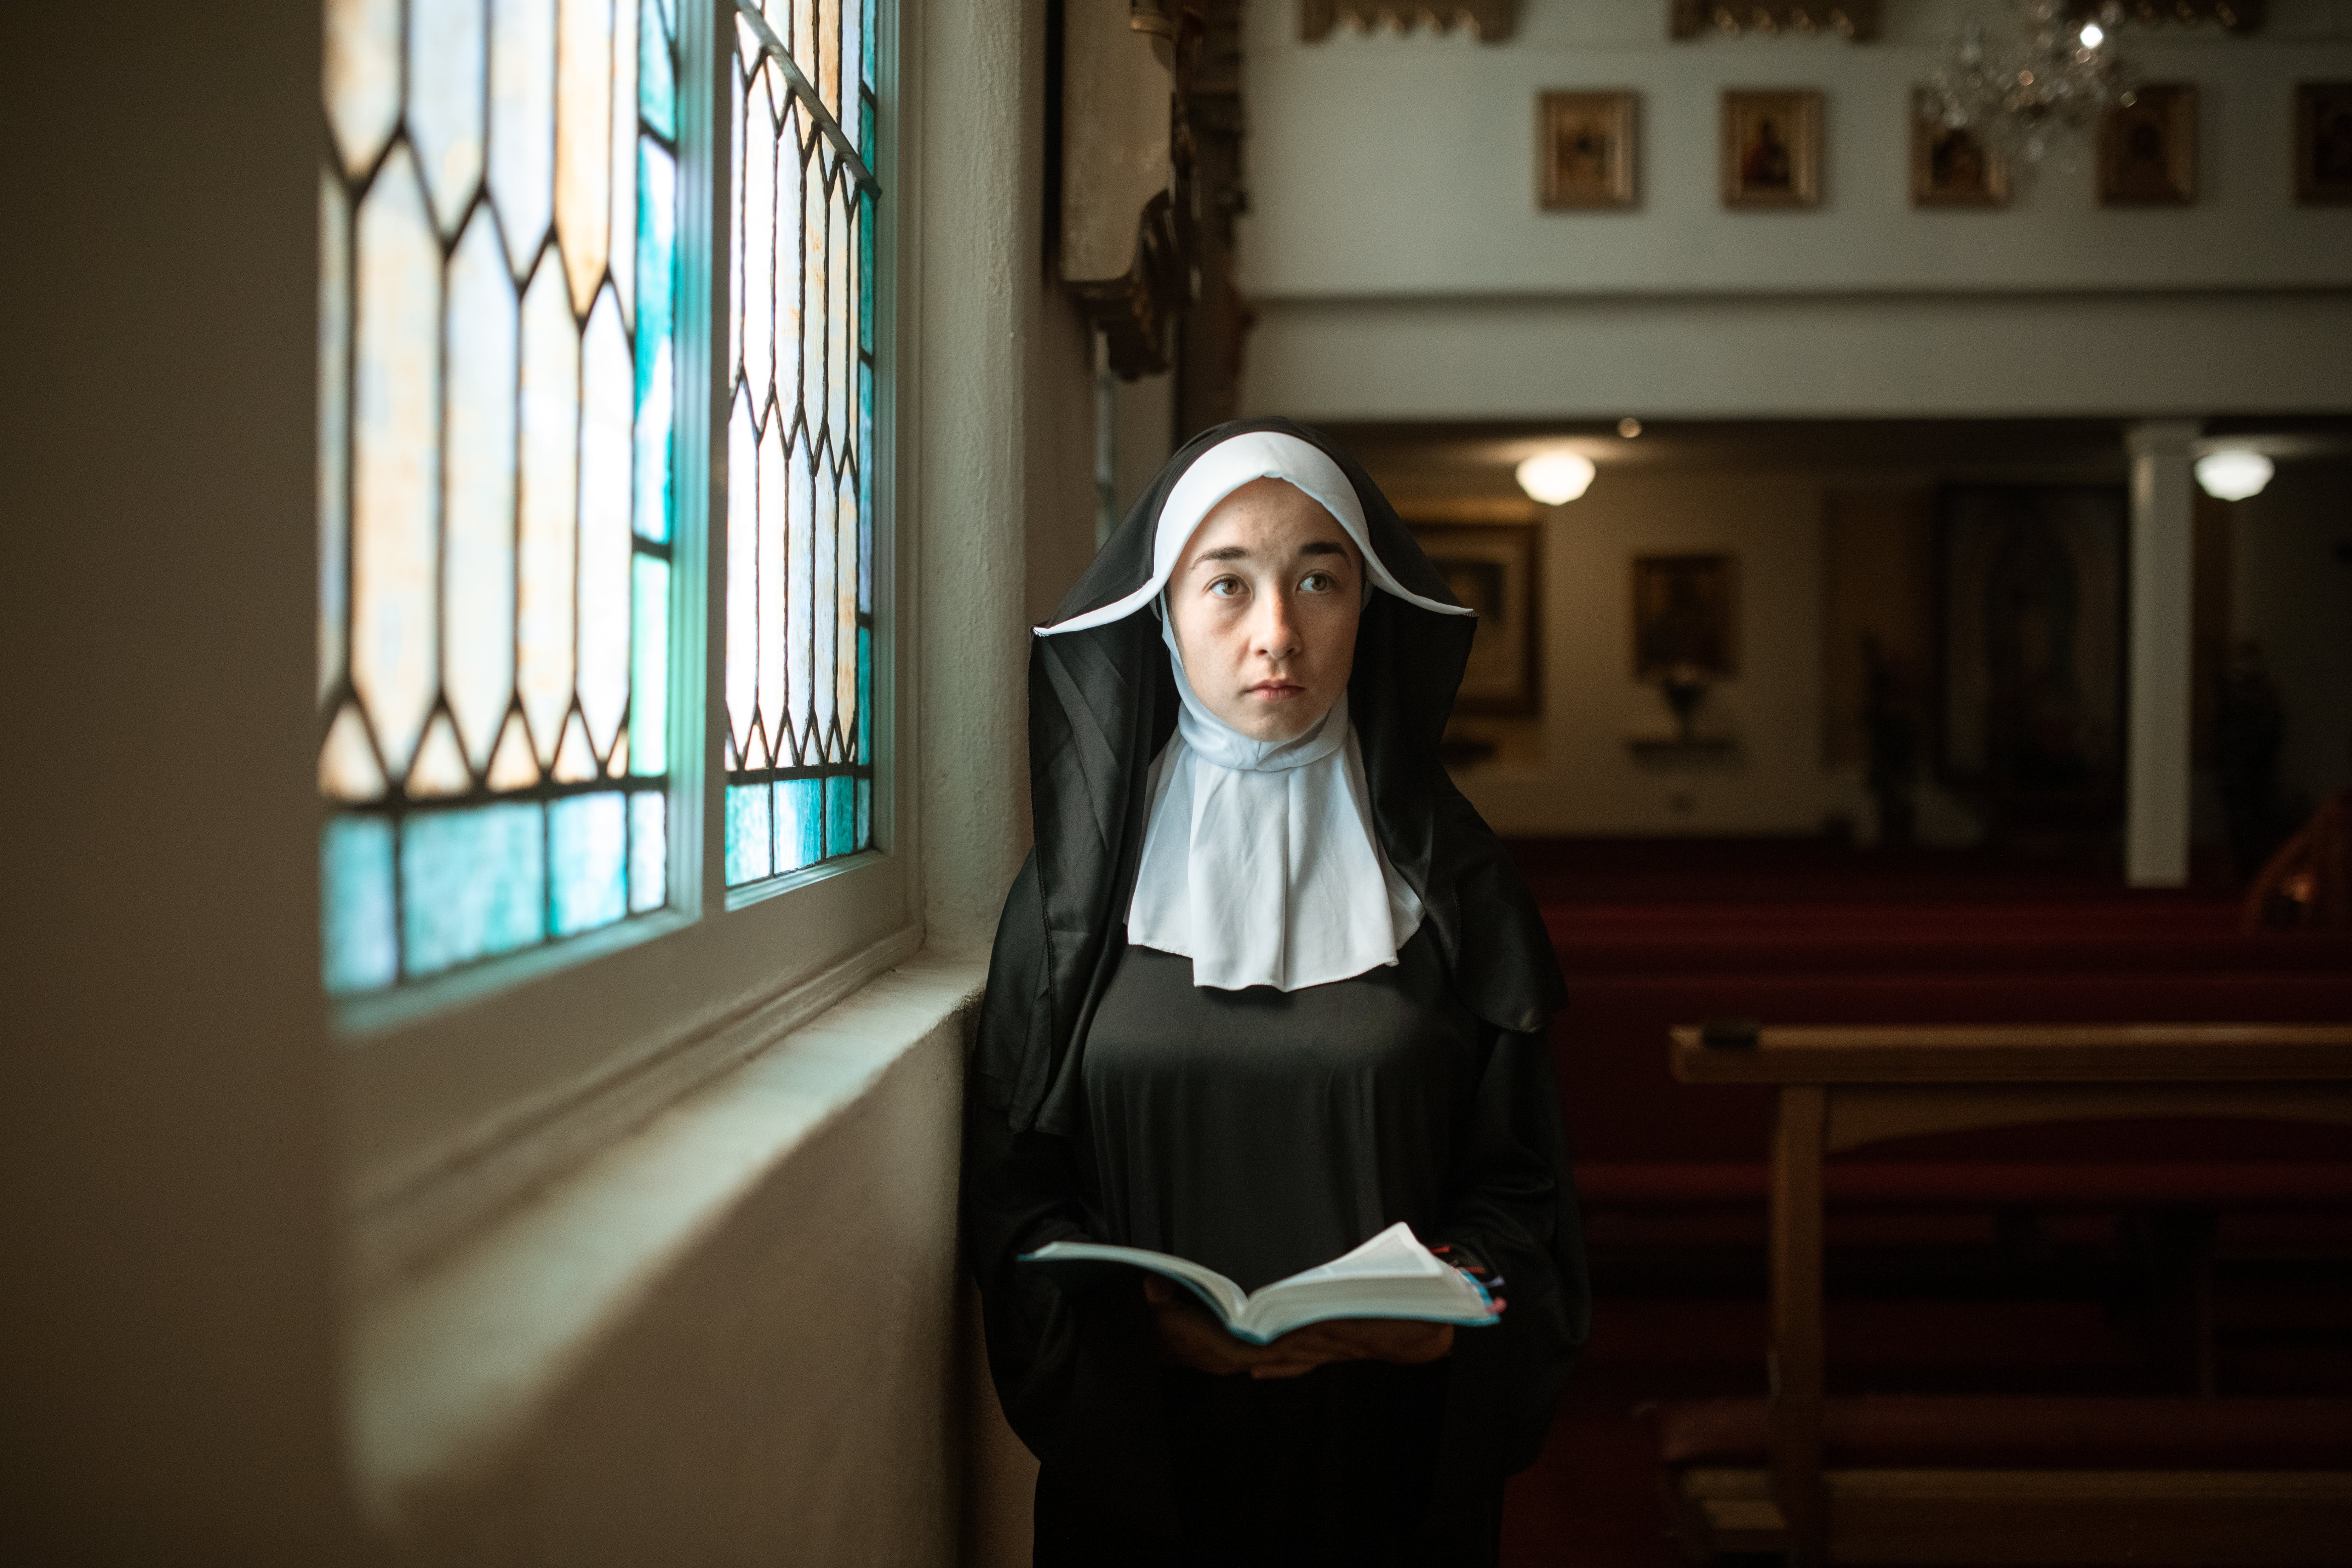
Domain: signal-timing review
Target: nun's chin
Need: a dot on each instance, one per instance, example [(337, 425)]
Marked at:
[(1275, 720)]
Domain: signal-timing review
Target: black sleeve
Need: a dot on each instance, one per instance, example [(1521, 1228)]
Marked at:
[(1077, 1374), (1510, 1203)]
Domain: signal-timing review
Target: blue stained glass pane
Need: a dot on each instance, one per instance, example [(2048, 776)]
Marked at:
[(750, 850), (868, 66), (648, 851), (588, 837), (865, 271), (649, 668), (840, 816), (363, 950), (865, 695), (800, 823), (656, 72), (656, 369), (866, 489), (865, 814), (472, 883)]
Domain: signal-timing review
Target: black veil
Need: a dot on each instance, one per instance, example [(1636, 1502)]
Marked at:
[(1102, 704)]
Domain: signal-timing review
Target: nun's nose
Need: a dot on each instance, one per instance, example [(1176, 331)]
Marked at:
[(1277, 631)]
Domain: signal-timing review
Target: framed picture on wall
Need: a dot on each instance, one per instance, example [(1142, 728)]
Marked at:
[(1771, 147), (1685, 616), (2148, 148), (1584, 150), (2030, 611), (1951, 166), (2322, 143), (1496, 570)]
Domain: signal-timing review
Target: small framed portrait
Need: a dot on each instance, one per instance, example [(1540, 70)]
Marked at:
[(2148, 148), (1772, 148), (1685, 616), (1951, 166), (1496, 569), (1584, 150), (2322, 143)]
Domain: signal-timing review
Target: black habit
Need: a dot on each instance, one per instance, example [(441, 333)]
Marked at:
[(1262, 1131)]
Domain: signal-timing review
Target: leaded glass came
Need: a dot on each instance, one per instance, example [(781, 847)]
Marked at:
[(800, 531), (499, 221)]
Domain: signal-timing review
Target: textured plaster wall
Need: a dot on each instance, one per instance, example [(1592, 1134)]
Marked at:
[(1575, 774), (167, 1298)]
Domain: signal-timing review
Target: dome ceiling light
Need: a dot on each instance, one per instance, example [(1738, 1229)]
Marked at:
[(1556, 478), (2233, 475)]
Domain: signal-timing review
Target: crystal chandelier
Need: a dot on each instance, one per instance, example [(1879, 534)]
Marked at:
[(2027, 96)]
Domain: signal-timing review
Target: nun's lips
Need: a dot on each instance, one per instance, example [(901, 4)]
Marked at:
[(1276, 691)]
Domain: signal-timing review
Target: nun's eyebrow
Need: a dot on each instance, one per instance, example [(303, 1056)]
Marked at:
[(1237, 552)]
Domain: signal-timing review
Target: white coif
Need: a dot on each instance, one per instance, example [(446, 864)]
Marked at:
[(1261, 860)]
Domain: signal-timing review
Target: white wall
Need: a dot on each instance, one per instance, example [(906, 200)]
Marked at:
[(1401, 267), (1571, 771)]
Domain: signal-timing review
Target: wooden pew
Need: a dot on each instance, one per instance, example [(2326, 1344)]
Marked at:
[(2184, 1482)]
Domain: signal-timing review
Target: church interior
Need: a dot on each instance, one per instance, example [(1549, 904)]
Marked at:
[(1900, 453)]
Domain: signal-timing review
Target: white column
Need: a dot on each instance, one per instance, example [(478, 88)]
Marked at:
[(2156, 809)]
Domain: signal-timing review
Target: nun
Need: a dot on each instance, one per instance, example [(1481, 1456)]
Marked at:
[(1265, 985)]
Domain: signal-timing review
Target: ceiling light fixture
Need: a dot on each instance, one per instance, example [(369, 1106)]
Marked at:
[(1556, 478), (1629, 428), (2233, 476)]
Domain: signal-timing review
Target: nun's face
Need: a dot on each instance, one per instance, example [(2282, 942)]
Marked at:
[(1265, 602)]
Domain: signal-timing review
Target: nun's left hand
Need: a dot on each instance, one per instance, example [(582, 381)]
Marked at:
[(1400, 1340)]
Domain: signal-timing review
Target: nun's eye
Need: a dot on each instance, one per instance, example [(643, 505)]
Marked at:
[(1317, 583), (1226, 587)]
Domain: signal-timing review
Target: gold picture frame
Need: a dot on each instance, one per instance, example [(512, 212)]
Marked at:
[(2322, 143), (1953, 167), (2148, 148), (1585, 150), (1771, 147)]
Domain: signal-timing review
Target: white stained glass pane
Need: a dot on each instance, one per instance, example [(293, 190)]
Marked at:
[(334, 426), (743, 583), (817, 628), (853, 49), (623, 224), (736, 238), (818, 274), (396, 410), (583, 143), (362, 61), (800, 601), (607, 390), (841, 283), (787, 276), (548, 495), (447, 58), (774, 702), (827, 75), (522, 124), (759, 227), (477, 508)]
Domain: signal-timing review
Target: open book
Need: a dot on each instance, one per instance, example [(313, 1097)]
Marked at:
[(1390, 1276)]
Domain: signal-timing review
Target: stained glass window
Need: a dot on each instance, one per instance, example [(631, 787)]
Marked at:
[(498, 214), (800, 512)]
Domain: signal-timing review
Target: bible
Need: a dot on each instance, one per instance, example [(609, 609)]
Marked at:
[(1390, 1276)]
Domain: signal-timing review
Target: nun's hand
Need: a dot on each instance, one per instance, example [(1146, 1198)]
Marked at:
[(1190, 1337), (1400, 1340)]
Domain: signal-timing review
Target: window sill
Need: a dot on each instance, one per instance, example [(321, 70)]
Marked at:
[(453, 1367)]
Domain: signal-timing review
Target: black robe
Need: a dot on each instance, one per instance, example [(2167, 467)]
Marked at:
[(1121, 1439)]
